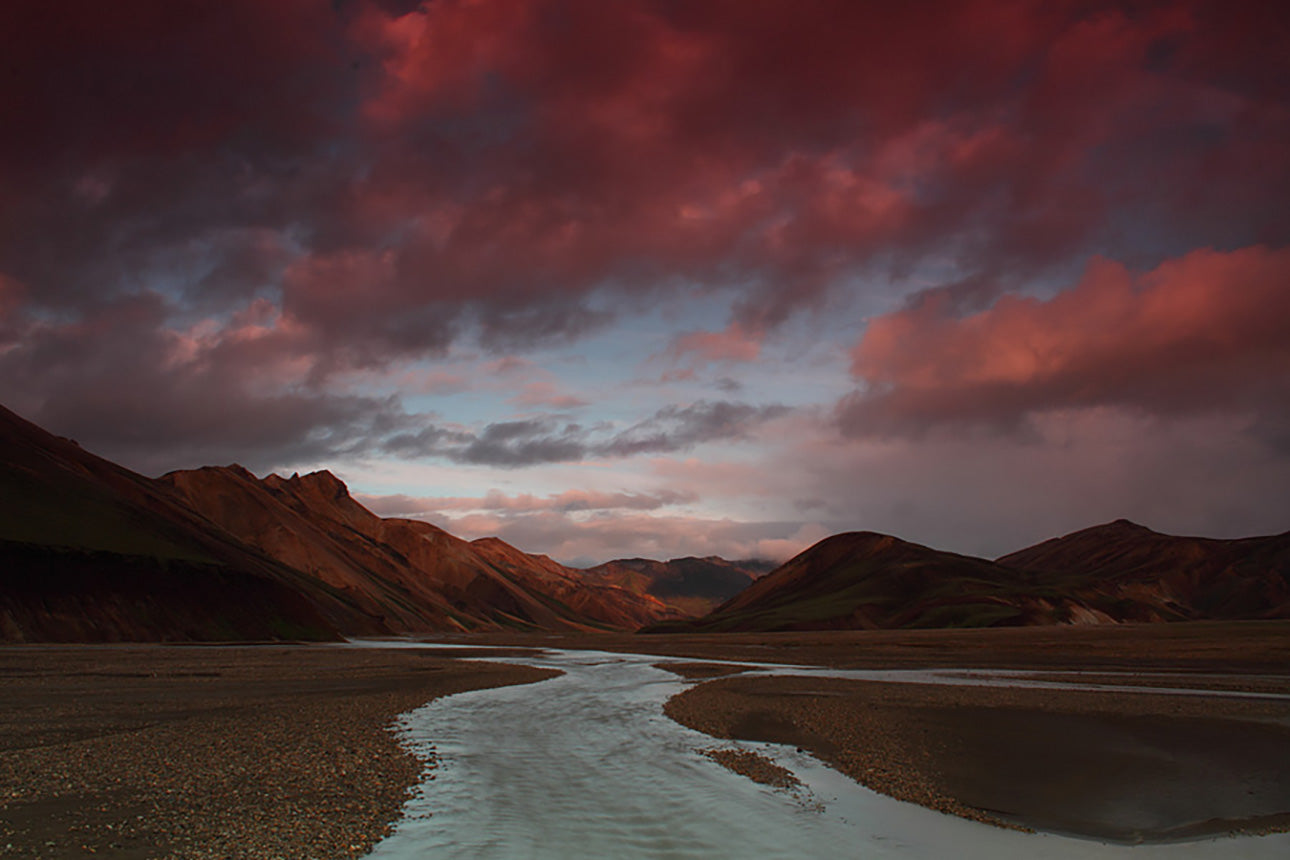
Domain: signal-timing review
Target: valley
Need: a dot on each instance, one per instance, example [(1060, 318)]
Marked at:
[(1116, 684)]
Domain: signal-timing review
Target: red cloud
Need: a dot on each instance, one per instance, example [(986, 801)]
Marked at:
[(1203, 332), (397, 182), (735, 343), (578, 143)]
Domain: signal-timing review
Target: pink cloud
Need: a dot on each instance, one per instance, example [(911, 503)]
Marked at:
[(592, 526), (598, 539), (508, 364), (396, 183), (567, 502), (546, 394), (718, 477), (1202, 332), (735, 343), (951, 146)]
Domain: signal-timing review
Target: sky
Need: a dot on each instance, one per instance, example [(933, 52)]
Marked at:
[(659, 278)]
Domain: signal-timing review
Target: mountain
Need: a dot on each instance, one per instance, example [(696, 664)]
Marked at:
[(695, 586), (604, 602), (1132, 573), (1115, 572), (414, 576), (862, 580), (90, 551)]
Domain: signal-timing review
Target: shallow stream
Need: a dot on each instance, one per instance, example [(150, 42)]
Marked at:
[(587, 766)]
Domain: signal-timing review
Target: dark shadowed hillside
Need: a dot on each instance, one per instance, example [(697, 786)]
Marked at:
[(1130, 572), (1112, 573), (90, 551), (864, 580)]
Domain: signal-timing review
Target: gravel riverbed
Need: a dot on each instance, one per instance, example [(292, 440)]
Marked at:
[(1127, 767), (212, 752)]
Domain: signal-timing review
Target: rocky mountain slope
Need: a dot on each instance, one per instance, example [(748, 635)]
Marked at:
[(414, 576), (606, 602), (90, 551)]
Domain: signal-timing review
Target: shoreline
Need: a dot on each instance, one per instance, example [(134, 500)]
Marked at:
[(1120, 767), (148, 751)]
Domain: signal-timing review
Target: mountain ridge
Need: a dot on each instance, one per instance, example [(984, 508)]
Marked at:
[(416, 576), (1165, 577), (1114, 572), (95, 552)]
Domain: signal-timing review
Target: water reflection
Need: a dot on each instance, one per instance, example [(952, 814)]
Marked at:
[(586, 766)]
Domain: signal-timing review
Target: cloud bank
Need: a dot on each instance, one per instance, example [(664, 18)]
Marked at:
[(390, 231)]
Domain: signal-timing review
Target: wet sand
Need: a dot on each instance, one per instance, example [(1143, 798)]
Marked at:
[(1124, 767), (212, 752)]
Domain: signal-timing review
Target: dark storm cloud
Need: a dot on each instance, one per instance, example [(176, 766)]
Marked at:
[(155, 400), (524, 443), (675, 428), (512, 444), (395, 178)]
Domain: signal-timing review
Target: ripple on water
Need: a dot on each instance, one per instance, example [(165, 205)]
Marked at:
[(585, 766)]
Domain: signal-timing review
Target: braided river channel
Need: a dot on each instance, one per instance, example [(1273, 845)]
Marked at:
[(587, 766)]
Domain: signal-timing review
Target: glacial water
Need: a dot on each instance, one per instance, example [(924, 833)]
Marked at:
[(587, 766)]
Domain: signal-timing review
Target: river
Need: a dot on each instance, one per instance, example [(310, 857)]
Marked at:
[(587, 766)]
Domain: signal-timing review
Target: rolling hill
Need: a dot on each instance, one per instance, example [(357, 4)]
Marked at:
[(1117, 572), (1131, 573), (863, 580)]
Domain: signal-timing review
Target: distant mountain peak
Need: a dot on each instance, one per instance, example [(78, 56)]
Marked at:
[(1119, 527)]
